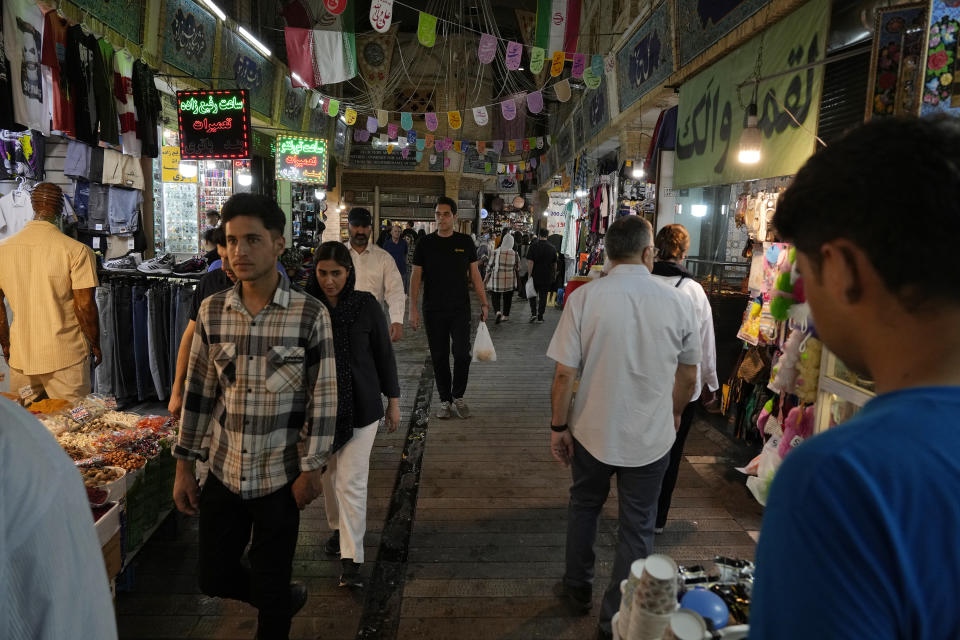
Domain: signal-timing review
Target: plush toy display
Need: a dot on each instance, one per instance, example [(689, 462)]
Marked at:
[(797, 428), (787, 287), (808, 371)]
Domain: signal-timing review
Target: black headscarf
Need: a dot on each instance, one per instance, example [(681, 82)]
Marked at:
[(670, 269), (350, 303)]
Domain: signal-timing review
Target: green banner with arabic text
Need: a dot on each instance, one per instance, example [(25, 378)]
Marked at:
[(712, 115)]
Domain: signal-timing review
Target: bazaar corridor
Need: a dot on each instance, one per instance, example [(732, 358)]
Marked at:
[(466, 521)]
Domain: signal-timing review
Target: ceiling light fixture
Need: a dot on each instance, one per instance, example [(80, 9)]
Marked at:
[(698, 210), (244, 179), (296, 76), (320, 194), (187, 168), (217, 10), (750, 139), (252, 40), (637, 171)]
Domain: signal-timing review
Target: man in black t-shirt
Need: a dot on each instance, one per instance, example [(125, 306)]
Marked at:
[(542, 267), (212, 282), (446, 263)]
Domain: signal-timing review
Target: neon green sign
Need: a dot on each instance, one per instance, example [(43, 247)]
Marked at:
[(211, 106)]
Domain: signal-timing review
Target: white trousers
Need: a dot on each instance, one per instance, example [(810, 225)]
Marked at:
[(345, 491)]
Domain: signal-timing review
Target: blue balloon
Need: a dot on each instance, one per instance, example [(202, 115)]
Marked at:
[(707, 604)]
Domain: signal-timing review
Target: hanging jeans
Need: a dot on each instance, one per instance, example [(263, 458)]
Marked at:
[(126, 382), (153, 344), (108, 342), (141, 346)]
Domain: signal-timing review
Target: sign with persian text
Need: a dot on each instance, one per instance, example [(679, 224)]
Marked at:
[(302, 159), (713, 111), (214, 124)]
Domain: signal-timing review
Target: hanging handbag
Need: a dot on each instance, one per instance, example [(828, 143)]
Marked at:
[(755, 365)]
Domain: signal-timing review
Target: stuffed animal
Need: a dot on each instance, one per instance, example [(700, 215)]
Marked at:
[(808, 371), (797, 428), (785, 294)]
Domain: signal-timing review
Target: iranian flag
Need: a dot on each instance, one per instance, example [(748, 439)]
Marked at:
[(326, 54), (558, 25)]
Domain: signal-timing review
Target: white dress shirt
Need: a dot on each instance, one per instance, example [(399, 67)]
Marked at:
[(626, 333), (53, 582), (377, 274), (707, 369)]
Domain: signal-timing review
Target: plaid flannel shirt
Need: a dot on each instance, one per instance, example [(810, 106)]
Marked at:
[(265, 387)]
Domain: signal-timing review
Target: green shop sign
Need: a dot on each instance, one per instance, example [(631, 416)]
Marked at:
[(302, 159), (713, 112)]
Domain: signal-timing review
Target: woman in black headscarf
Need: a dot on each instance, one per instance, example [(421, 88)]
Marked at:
[(365, 369)]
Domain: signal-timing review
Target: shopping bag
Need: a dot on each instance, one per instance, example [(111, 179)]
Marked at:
[(530, 290), (483, 350)]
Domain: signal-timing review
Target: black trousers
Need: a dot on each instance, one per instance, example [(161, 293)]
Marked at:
[(449, 331), (506, 296), (539, 304), (673, 469), (226, 521)]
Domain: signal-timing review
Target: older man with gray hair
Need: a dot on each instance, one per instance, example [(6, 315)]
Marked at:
[(635, 344)]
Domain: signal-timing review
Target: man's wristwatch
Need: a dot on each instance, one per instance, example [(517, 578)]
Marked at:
[(558, 428)]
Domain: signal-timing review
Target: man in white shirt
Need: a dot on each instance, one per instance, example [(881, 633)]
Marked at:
[(376, 270), (635, 343), (53, 583)]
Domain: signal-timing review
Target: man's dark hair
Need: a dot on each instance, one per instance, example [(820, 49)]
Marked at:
[(870, 188), (543, 233), (212, 213), (449, 202), (409, 224), (218, 236), (255, 206), (627, 237)]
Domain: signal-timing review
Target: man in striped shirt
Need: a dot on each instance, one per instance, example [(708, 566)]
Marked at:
[(261, 380)]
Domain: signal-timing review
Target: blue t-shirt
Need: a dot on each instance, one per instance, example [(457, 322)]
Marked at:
[(861, 535)]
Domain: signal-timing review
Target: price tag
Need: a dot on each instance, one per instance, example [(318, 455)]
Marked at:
[(79, 414), (26, 391), (129, 244), (98, 227), (111, 402), (96, 242)]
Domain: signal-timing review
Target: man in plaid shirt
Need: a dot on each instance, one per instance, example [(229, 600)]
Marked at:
[(262, 381)]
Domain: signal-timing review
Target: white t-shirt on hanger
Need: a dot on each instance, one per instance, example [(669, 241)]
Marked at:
[(22, 35), (15, 212)]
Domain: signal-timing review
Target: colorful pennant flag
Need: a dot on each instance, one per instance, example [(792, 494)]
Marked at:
[(596, 63), (514, 54), (480, 116), (406, 120), (447, 144), (364, 135), (371, 124), (509, 109), (431, 120), (427, 29), (381, 15), (556, 67), (333, 108), (458, 146), (429, 140), (384, 139), (525, 145), (609, 63), (537, 55), (392, 130), (382, 117), (498, 145), (350, 116), (487, 167), (500, 167), (412, 137), (591, 79), (579, 63), (540, 142), (336, 7), (389, 148), (454, 119), (487, 49), (421, 144), (535, 102), (419, 156), (405, 152), (562, 90), (481, 146), (512, 146)]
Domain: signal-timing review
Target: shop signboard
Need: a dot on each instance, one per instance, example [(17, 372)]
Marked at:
[(701, 23), (475, 162), (123, 16), (190, 32), (647, 59), (170, 169), (214, 124), (596, 112), (896, 66), (367, 156), (302, 159), (712, 112), (249, 70), (557, 211), (941, 89), (294, 102)]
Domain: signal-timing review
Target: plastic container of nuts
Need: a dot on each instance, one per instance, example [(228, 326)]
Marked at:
[(110, 479)]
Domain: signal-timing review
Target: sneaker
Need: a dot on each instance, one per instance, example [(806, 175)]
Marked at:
[(460, 408), (658, 530), (160, 264), (578, 599), (350, 574), (193, 265), (533, 319), (505, 319), (332, 545), (125, 263), (540, 320), (298, 597), (444, 412), (499, 318)]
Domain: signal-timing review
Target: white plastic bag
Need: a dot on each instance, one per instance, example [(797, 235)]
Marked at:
[(483, 350), (531, 290)]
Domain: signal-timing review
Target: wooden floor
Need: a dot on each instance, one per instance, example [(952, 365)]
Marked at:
[(488, 522)]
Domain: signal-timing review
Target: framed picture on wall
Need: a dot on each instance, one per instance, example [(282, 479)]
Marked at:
[(895, 84)]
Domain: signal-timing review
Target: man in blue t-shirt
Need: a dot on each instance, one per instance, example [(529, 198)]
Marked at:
[(859, 538)]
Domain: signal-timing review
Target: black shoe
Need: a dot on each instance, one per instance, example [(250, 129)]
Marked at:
[(579, 599), (350, 574), (539, 319), (298, 597), (604, 635), (533, 319), (332, 546)]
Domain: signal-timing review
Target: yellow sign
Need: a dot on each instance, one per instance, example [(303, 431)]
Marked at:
[(171, 165)]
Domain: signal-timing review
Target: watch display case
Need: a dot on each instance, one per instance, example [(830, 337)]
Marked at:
[(181, 222), (842, 392)]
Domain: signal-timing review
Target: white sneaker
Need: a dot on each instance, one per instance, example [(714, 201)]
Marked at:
[(460, 408), (123, 263), (160, 264), (444, 412)]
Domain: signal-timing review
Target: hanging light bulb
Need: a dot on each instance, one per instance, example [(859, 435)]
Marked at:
[(580, 193), (244, 179), (750, 139), (637, 170), (187, 168), (320, 194)]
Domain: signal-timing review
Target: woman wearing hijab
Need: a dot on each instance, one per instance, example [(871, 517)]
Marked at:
[(502, 277), (673, 243), (365, 369)]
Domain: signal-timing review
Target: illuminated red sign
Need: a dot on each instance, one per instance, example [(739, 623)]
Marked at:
[(214, 124)]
